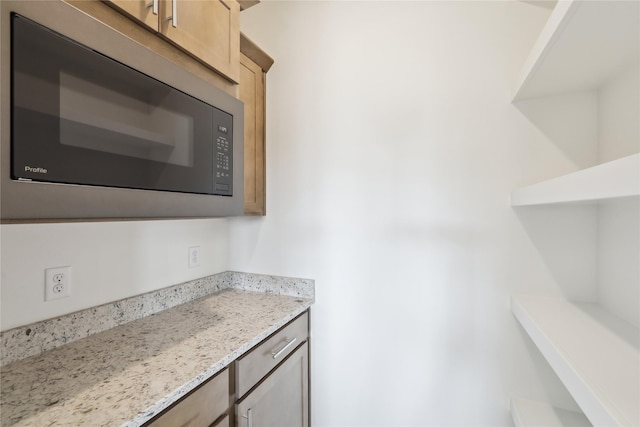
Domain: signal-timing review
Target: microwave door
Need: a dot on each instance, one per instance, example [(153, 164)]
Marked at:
[(82, 118)]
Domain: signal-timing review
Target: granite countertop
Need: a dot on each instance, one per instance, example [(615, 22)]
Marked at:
[(128, 374)]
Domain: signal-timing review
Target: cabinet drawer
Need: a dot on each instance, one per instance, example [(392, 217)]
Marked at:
[(223, 422), (200, 408), (266, 356)]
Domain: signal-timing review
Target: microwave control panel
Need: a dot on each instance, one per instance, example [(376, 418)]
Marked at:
[(223, 153)]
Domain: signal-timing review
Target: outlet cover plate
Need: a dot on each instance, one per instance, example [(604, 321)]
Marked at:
[(57, 283), (194, 256)]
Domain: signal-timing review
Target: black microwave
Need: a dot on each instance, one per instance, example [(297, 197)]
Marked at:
[(102, 135)]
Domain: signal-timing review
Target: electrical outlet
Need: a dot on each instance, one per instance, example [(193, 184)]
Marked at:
[(194, 256), (57, 283)]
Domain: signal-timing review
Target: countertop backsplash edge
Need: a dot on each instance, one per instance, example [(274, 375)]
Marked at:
[(36, 338), (279, 285)]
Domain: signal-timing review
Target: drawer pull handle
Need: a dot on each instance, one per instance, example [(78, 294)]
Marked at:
[(288, 344), (249, 418), (153, 4)]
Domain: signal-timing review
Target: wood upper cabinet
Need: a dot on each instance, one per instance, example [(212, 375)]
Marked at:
[(207, 29), (254, 64), (252, 94), (144, 11)]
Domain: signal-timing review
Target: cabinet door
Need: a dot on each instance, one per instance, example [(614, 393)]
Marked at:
[(208, 29), (252, 92), (144, 11), (282, 399)]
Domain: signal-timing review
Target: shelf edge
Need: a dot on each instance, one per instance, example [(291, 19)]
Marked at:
[(552, 30), (612, 180)]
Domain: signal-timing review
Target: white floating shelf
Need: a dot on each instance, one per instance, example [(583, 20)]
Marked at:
[(595, 354), (530, 413), (612, 180), (583, 44)]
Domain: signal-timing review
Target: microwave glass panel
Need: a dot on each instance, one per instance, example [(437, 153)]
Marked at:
[(98, 118)]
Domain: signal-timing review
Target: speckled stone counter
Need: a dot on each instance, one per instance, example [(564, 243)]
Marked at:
[(128, 374)]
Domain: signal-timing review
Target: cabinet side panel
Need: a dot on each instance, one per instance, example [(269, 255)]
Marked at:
[(252, 93)]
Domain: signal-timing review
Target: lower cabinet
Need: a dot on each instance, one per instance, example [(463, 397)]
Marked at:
[(272, 380), (201, 408), (282, 399), (223, 422), (267, 387)]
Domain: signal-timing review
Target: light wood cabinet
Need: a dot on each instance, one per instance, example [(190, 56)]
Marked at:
[(144, 11), (210, 30), (114, 14), (207, 29), (246, 4), (254, 64)]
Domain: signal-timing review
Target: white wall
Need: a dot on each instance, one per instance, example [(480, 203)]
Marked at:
[(109, 261), (392, 148), (618, 224), (619, 259), (619, 109)]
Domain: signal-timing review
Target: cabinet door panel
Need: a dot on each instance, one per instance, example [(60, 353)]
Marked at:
[(252, 92), (282, 399), (208, 29), (141, 10)]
